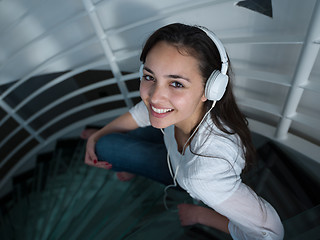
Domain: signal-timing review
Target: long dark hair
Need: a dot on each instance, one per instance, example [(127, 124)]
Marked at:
[(226, 114)]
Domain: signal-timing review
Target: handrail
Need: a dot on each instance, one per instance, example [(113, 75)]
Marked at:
[(178, 8), (103, 38), (60, 117), (62, 132), (52, 83), (46, 64), (17, 21), (30, 130), (60, 100), (305, 64), (42, 36)]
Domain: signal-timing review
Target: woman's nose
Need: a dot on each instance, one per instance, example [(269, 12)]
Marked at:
[(158, 93)]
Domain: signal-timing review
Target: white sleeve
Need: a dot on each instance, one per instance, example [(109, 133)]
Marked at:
[(251, 217), (213, 177), (140, 114), (219, 187)]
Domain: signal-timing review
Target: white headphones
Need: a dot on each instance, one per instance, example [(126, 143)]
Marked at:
[(217, 82)]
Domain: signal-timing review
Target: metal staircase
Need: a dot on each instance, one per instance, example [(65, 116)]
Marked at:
[(62, 198)]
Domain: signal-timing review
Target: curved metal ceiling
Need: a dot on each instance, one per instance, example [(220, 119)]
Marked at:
[(275, 60)]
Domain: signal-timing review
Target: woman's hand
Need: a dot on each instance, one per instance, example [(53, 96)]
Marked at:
[(124, 123), (188, 214), (91, 158)]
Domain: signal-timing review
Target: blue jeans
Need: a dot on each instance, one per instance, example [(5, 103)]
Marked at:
[(141, 152)]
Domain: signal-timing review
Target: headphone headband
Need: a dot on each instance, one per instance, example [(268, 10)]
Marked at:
[(220, 47), (217, 82)]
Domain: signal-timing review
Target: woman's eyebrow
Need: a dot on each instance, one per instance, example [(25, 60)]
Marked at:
[(174, 76), (148, 70)]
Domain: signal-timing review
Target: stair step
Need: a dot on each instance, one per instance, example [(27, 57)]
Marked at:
[(62, 198), (302, 223), (312, 234)]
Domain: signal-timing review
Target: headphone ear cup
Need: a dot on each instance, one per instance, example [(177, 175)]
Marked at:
[(141, 71), (216, 86)]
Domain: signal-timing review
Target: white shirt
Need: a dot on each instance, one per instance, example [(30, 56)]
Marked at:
[(212, 174)]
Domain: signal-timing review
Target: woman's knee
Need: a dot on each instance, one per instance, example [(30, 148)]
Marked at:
[(110, 139), (108, 145)]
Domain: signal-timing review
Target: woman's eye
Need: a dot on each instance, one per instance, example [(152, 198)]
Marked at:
[(148, 78), (177, 85)]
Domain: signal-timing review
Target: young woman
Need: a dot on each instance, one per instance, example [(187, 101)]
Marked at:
[(186, 91)]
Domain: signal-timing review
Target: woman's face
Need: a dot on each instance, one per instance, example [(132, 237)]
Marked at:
[(172, 88)]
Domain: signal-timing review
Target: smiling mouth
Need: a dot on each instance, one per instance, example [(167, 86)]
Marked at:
[(161, 110)]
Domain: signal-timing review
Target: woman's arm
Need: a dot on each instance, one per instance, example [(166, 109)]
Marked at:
[(192, 214), (124, 123), (243, 214)]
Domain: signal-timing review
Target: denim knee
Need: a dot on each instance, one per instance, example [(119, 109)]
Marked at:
[(130, 153), (108, 146)]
